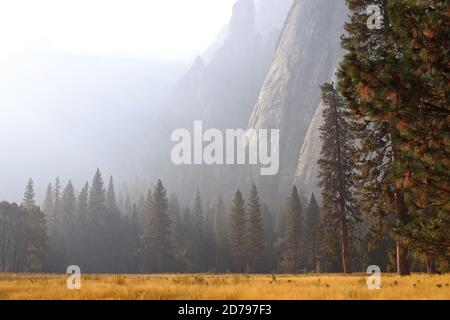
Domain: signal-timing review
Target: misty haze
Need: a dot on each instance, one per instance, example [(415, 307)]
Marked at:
[(244, 145)]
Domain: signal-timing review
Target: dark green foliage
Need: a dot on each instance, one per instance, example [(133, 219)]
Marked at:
[(119, 245), (28, 198), (176, 227), (199, 235), (220, 235), (254, 232), (340, 207), (156, 246), (36, 246), (395, 82), (293, 255), (270, 257), (169, 242), (312, 241), (23, 235), (236, 233), (419, 31), (186, 256), (95, 235), (69, 211)]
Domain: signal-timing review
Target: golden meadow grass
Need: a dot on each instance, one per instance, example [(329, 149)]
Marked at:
[(226, 287)]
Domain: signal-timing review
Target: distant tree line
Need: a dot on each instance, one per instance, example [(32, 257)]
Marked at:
[(157, 234), (90, 229), (23, 238)]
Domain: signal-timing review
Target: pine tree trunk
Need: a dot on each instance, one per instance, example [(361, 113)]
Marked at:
[(295, 259), (402, 216), (314, 256), (402, 249), (345, 247), (402, 259), (345, 240), (431, 266)]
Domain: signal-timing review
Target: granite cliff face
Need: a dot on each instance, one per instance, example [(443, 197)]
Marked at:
[(264, 72), (308, 169), (221, 89), (308, 53)]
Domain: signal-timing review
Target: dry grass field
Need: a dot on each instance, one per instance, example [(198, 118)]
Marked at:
[(226, 287)]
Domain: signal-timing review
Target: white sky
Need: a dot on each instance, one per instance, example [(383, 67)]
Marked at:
[(161, 29)]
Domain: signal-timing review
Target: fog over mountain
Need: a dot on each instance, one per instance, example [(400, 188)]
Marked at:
[(263, 71), (69, 114), (222, 91), (267, 74)]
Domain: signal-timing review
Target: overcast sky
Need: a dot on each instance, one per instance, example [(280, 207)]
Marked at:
[(77, 77), (157, 29)]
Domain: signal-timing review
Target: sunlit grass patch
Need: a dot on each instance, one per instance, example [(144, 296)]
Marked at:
[(226, 287)]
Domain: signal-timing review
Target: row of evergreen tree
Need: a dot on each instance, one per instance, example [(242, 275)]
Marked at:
[(156, 235), (23, 237)]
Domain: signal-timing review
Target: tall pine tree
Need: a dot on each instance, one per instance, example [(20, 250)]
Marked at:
[(293, 239), (220, 235), (418, 87), (176, 227), (95, 231), (199, 234), (28, 198), (81, 243), (35, 242), (68, 220), (254, 233), (236, 233), (336, 171), (312, 227), (156, 246), (395, 82), (114, 237)]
